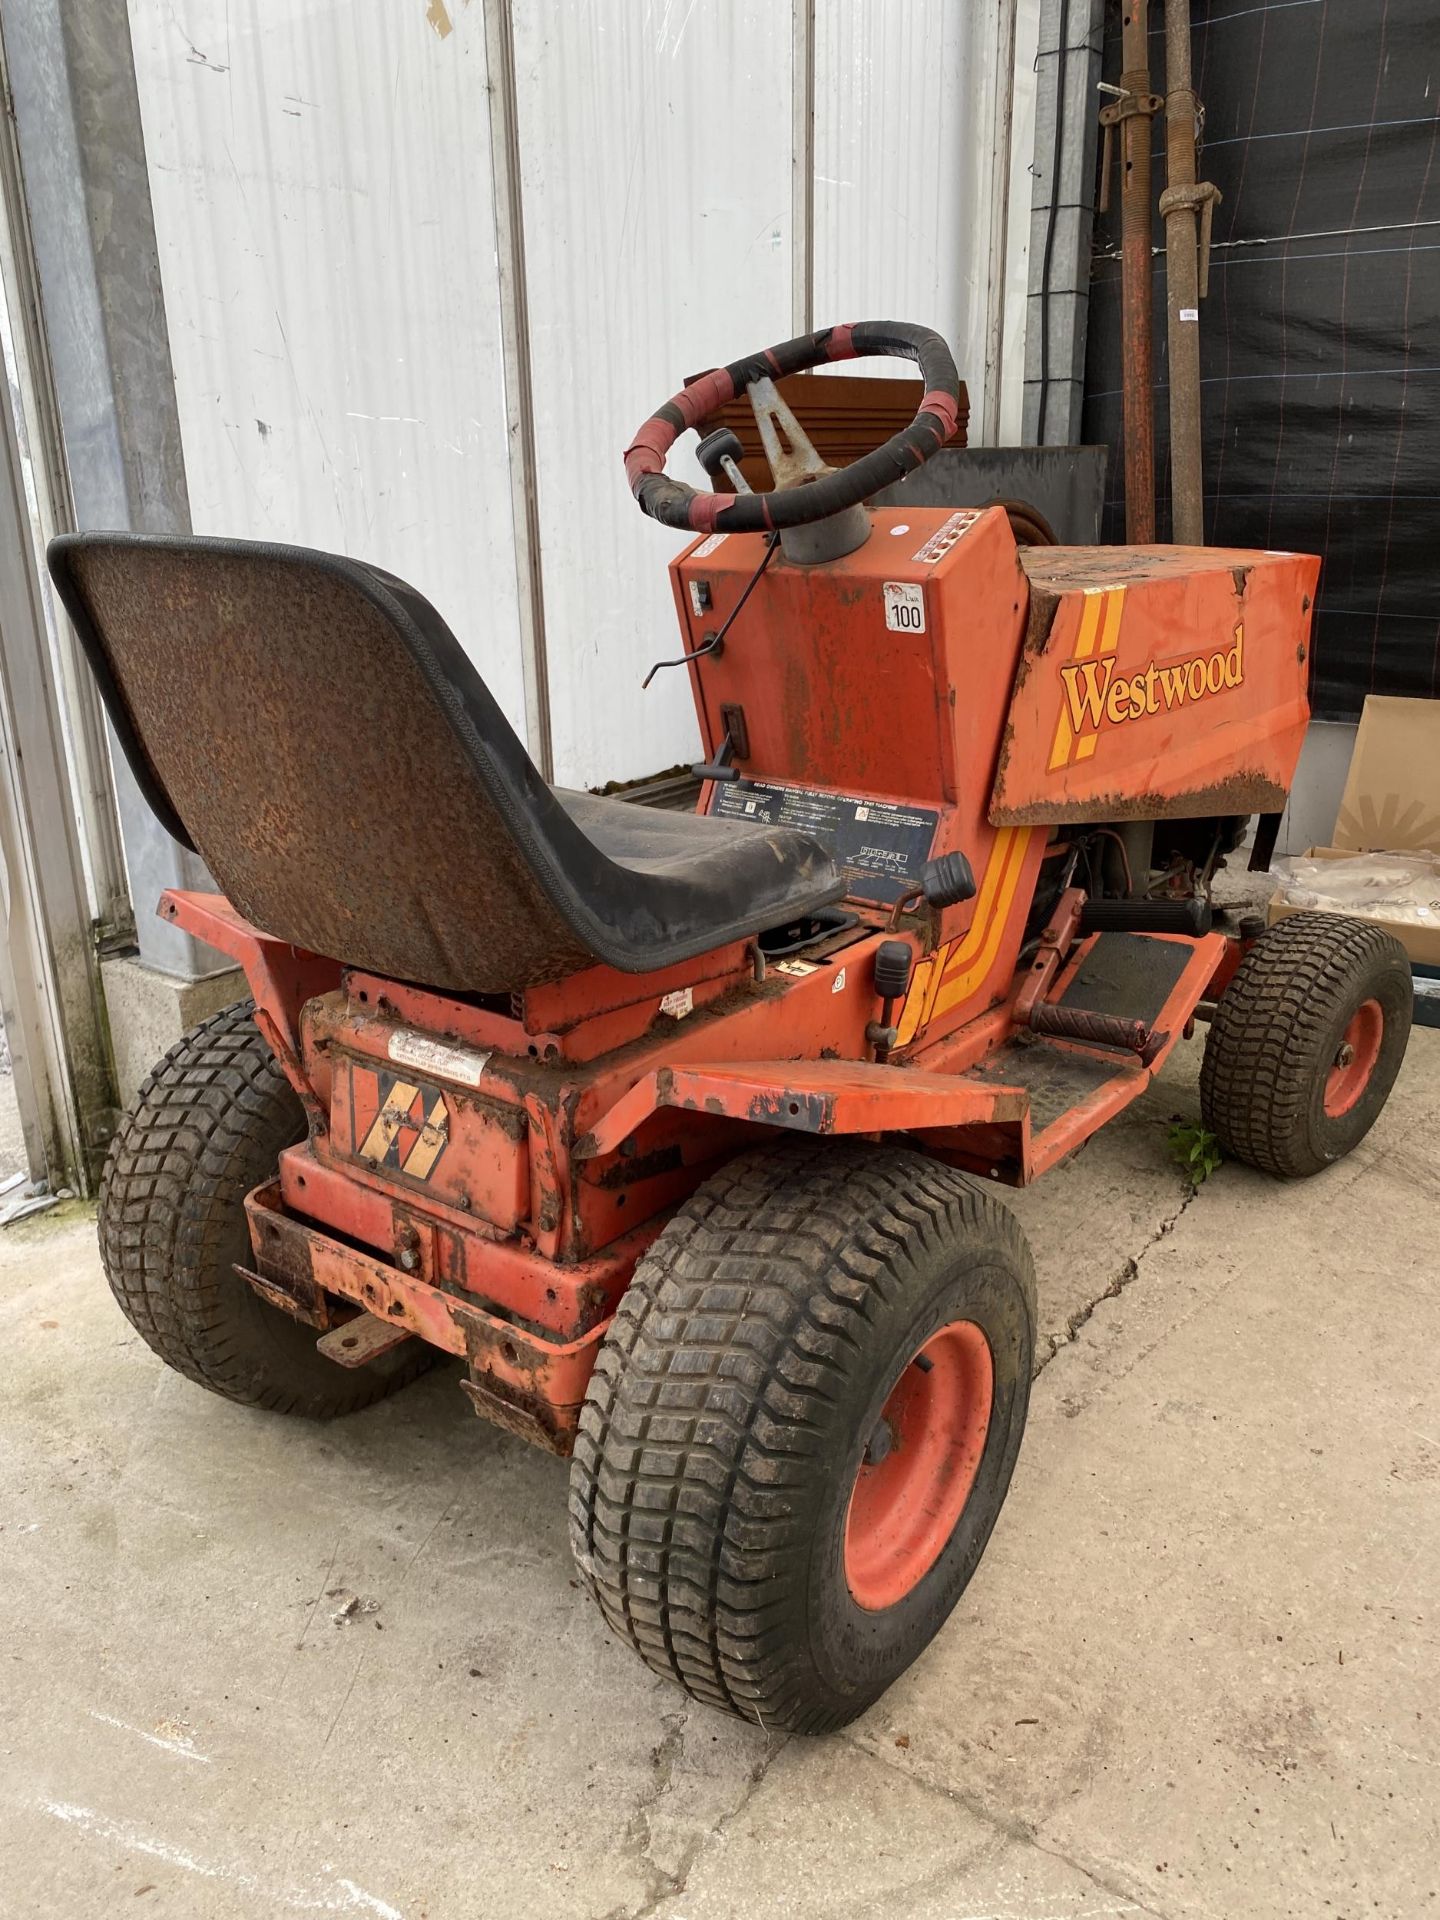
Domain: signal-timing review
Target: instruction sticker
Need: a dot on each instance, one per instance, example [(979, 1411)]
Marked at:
[(707, 547), (411, 1049), (881, 844), (904, 606)]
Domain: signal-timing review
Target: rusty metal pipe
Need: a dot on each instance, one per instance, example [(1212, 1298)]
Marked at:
[(1186, 207), (1133, 113)]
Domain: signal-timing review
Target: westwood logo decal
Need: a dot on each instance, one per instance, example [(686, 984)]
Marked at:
[(1093, 694)]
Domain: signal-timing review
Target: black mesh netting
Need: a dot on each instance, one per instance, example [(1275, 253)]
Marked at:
[(1320, 341)]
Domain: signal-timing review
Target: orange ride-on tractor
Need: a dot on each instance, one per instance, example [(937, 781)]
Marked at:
[(681, 1132)]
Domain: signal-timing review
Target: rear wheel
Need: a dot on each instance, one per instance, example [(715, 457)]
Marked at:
[(1306, 1043), (208, 1124), (802, 1426)]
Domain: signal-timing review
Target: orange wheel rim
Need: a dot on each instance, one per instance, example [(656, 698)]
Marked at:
[(920, 1466), (1355, 1059)]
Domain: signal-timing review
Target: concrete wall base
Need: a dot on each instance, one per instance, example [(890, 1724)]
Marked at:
[(150, 1010)]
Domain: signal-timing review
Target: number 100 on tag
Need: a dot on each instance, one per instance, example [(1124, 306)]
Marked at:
[(904, 606)]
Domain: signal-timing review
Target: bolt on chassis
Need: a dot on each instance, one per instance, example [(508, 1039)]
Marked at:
[(682, 1132)]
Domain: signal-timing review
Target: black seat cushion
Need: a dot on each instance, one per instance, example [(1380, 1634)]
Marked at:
[(312, 728)]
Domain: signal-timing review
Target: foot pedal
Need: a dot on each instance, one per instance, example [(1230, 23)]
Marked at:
[(355, 1343), (1189, 917), (1093, 1029)]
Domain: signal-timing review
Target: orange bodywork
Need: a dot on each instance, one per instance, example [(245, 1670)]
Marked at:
[(484, 1174), (1157, 682), (841, 702)]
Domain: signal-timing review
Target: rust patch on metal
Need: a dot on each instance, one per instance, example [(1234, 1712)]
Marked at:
[(498, 1114), (628, 1169), (1007, 741), (489, 1343), (1062, 569), (595, 1302), (528, 1418), (794, 1107), (293, 1293), (551, 1211), (1039, 622), (1241, 793), (361, 1340)]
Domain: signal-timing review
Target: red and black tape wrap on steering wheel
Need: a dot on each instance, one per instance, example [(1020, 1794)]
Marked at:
[(677, 505)]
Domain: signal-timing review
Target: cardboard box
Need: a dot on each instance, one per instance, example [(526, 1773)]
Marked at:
[(1391, 802)]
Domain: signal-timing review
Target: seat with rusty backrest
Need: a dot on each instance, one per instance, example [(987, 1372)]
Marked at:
[(311, 727)]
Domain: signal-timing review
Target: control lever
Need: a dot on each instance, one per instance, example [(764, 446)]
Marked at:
[(713, 642), (719, 768), (894, 963), (735, 746), (720, 453)]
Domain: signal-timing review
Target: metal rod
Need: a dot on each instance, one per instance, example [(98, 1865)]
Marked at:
[(50, 991), (1002, 130), (1180, 205), (519, 395), (1135, 273), (38, 422), (802, 167)]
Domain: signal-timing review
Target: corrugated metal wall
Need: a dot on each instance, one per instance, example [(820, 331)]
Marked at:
[(655, 157), (325, 208), (321, 182), (900, 152)]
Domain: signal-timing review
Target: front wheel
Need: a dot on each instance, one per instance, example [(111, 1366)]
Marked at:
[(1306, 1043), (801, 1427)]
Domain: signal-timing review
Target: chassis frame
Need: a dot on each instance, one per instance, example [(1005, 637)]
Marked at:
[(486, 1178)]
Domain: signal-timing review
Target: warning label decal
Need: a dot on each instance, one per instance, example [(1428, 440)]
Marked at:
[(881, 846)]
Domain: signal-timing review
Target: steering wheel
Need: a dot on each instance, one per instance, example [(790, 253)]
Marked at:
[(830, 491)]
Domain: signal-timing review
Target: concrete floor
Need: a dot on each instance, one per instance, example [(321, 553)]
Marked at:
[(1198, 1672)]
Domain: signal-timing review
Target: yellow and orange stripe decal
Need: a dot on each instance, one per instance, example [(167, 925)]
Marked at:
[(434, 1138), (1098, 634), (388, 1121), (956, 970)]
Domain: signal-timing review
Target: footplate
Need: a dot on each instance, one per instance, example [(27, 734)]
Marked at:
[(1121, 1004)]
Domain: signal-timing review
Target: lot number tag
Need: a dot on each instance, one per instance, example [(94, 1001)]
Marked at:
[(904, 606)]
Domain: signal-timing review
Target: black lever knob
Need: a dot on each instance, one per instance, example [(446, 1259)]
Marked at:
[(892, 969), (723, 444), (948, 880)]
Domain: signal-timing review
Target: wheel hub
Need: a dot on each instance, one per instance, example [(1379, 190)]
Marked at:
[(919, 1466), (1355, 1059)]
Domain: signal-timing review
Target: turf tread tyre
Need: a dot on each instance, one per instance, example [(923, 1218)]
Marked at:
[(713, 1409), (1275, 1033), (209, 1123)]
